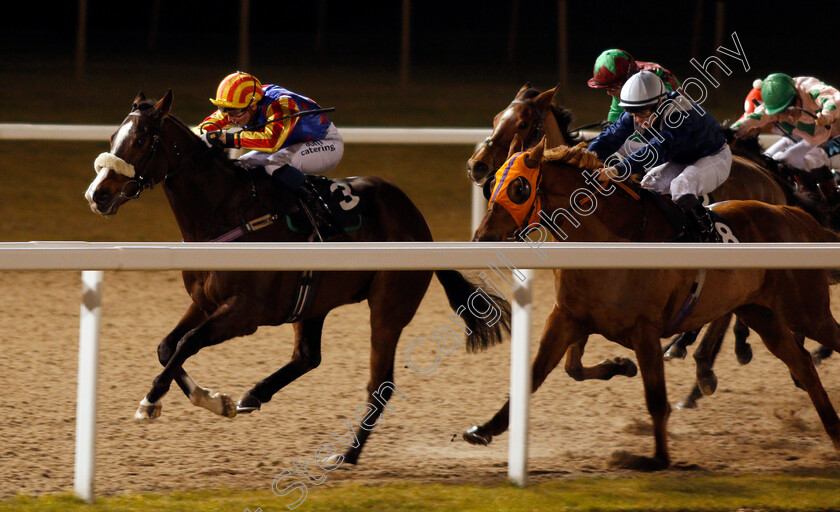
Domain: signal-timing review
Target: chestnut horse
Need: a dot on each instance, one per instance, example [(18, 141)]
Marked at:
[(210, 195), (636, 308), (532, 115)]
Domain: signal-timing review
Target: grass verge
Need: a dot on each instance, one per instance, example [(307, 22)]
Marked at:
[(800, 492)]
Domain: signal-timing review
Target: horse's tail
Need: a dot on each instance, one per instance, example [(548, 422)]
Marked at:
[(462, 294)]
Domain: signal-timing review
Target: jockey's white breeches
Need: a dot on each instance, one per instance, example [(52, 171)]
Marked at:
[(698, 178), (801, 155), (315, 157)]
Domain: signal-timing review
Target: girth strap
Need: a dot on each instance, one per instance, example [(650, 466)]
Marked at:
[(690, 301), (303, 295), (249, 227)]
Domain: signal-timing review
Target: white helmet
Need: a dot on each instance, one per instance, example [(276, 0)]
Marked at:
[(641, 92)]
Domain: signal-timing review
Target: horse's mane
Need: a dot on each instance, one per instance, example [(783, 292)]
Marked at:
[(221, 156), (577, 156)]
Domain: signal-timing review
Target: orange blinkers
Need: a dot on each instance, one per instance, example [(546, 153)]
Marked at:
[(516, 189)]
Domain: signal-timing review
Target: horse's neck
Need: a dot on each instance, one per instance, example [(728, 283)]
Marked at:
[(206, 197), (613, 218), (553, 134)]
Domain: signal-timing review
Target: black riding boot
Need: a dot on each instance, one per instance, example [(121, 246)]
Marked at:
[(827, 185), (313, 205), (699, 219)]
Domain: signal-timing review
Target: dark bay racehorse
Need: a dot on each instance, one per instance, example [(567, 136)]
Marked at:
[(211, 195), (532, 115), (636, 308)]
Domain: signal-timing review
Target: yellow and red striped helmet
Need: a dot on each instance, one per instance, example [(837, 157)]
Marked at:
[(238, 90)]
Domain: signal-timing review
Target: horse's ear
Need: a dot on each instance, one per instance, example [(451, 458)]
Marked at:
[(543, 100), (525, 87), (162, 106), (535, 157), (515, 145), (140, 98)]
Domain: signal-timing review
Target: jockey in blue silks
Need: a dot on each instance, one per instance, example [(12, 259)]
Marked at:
[(683, 150)]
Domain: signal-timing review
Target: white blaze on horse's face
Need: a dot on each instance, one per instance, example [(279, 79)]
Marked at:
[(122, 137), (100, 177)]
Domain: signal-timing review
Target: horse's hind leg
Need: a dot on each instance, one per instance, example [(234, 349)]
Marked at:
[(676, 349), (394, 299), (560, 332), (652, 367), (605, 370), (743, 350), (305, 357), (782, 343)]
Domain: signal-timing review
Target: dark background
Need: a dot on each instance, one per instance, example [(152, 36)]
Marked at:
[(469, 38), (460, 76)]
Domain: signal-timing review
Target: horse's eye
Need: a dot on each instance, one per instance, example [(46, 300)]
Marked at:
[(139, 142), (523, 125), (489, 185), (519, 190)]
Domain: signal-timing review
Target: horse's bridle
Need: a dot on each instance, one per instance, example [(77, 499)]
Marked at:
[(142, 182), (537, 130)]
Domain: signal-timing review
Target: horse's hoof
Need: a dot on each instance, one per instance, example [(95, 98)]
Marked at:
[(707, 382), (247, 404), (227, 407), (744, 355), (148, 410), (675, 352), (688, 404), (628, 367), (473, 436), (625, 460)]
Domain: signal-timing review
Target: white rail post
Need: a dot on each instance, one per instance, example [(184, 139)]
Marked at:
[(479, 206), (520, 381), (91, 315)]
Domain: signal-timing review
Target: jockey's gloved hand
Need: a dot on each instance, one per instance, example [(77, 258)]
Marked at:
[(219, 139), (205, 139), (823, 120)]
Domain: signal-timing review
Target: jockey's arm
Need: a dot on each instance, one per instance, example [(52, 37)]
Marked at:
[(271, 137), (751, 123), (215, 121), (613, 137)]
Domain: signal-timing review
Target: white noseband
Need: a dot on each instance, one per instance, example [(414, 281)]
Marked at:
[(112, 161)]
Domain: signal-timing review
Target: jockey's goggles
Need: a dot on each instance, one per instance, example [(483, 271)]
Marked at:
[(641, 110), (233, 112)]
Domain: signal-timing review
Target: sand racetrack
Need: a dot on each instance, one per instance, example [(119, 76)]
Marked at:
[(757, 421)]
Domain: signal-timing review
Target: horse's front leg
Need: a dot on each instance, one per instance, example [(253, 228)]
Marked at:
[(306, 357), (605, 370), (230, 320), (707, 352), (559, 333)]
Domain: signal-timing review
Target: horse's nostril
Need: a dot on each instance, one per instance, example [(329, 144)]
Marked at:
[(101, 197), (480, 168)]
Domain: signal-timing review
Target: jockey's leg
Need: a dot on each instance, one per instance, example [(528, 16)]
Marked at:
[(777, 147), (659, 178), (701, 177)]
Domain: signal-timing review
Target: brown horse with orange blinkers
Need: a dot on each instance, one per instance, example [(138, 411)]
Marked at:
[(635, 308), (532, 115), (211, 195)]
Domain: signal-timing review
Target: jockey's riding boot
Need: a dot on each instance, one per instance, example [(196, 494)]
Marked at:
[(321, 214), (699, 219), (827, 185), (312, 205)]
